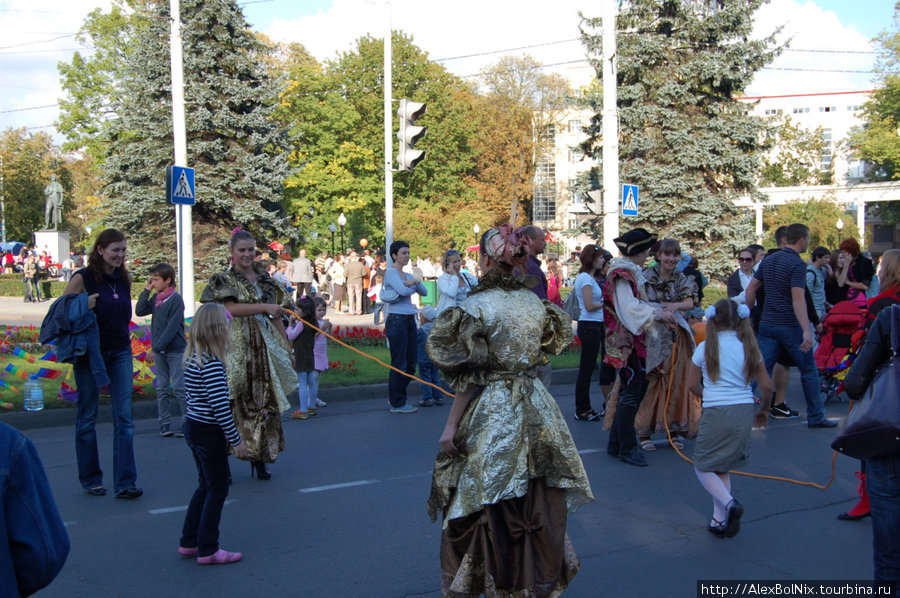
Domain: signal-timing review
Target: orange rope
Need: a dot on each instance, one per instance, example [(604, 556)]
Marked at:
[(743, 473), (342, 343)]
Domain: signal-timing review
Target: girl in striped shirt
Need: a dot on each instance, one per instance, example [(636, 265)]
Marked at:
[(209, 430)]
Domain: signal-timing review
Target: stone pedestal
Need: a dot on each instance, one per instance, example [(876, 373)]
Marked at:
[(54, 242)]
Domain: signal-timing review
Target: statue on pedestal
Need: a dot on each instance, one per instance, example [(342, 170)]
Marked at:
[(53, 193)]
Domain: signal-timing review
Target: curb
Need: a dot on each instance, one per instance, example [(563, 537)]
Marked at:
[(55, 418)]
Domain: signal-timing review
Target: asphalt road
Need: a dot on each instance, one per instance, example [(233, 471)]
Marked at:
[(344, 514)]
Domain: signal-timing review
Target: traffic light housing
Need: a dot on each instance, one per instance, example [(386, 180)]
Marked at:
[(409, 134)]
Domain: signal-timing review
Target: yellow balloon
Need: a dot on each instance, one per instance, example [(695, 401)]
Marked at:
[(363, 243)]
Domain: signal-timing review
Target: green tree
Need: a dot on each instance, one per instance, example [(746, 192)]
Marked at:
[(820, 215), (235, 146), (683, 138), (335, 113), (29, 159), (93, 83), (796, 156), (878, 140), (520, 107)]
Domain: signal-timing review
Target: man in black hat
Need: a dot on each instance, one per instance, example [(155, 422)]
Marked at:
[(629, 320)]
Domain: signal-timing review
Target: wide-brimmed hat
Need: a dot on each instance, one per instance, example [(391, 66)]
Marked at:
[(635, 241)]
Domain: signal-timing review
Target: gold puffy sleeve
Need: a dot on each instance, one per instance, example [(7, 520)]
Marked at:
[(458, 347), (219, 289), (557, 329)]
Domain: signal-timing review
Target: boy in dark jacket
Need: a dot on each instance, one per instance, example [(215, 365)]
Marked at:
[(167, 340)]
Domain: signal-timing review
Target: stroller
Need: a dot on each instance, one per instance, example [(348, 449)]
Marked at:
[(844, 331)]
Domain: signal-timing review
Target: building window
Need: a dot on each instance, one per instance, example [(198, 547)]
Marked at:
[(827, 108), (853, 108), (576, 127), (575, 156), (856, 169), (883, 233), (773, 111), (575, 198), (544, 192)]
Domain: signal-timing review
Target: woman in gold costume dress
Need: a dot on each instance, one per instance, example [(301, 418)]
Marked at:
[(676, 292), (260, 375), (508, 469)]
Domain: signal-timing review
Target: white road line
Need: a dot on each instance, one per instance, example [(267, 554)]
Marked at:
[(337, 486), (177, 509), (588, 451)]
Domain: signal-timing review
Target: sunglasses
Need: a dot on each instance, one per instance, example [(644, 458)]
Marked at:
[(745, 259), (452, 252)]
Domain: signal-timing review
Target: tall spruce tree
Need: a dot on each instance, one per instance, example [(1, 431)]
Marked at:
[(684, 139), (236, 148)]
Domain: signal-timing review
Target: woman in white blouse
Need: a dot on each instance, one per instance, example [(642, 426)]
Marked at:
[(454, 284)]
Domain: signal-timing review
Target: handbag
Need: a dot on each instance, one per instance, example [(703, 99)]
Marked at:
[(571, 307), (388, 294), (872, 429)]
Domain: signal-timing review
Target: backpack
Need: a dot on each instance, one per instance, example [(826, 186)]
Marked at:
[(571, 307)]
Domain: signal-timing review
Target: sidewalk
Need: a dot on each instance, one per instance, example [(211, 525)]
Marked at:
[(15, 312)]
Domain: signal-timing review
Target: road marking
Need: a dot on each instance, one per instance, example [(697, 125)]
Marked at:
[(338, 486), (177, 509), (588, 451)]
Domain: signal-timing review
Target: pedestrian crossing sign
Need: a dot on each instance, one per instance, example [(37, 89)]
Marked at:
[(180, 185), (629, 200)]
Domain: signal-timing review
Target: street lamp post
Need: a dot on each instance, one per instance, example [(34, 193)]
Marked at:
[(476, 229), (342, 220), (332, 228)]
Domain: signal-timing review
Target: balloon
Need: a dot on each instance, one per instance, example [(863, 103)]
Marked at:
[(363, 243)]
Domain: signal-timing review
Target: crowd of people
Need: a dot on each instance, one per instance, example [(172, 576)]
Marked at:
[(667, 368)]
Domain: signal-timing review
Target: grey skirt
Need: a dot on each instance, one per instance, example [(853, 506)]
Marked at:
[(723, 441)]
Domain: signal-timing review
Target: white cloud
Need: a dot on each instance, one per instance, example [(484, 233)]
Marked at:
[(35, 36), (808, 27), (450, 29)]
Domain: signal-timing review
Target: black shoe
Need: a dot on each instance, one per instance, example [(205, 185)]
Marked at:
[(588, 416), (782, 411), (716, 528), (130, 493), (166, 433), (825, 423), (259, 468), (849, 517), (733, 512), (636, 458)]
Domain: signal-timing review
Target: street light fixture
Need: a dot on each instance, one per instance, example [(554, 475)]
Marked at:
[(839, 224), (332, 228), (342, 220), (476, 229)]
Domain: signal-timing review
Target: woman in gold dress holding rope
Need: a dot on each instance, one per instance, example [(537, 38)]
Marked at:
[(260, 375), (508, 470)]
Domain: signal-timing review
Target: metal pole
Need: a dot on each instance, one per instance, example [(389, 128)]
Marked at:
[(610, 130), (182, 212), (343, 249), (861, 222), (2, 204), (388, 141)]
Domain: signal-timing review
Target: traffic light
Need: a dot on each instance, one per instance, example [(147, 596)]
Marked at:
[(409, 134)]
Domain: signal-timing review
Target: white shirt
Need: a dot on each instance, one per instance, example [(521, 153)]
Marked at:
[(745, 280), (586, 280), (730, 388)]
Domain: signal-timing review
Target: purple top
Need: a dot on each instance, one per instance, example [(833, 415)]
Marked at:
[(533, 268), (113, 308)]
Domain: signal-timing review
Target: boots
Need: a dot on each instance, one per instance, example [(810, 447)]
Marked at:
[(861, 510)]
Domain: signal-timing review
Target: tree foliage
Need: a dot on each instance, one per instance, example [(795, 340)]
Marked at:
[(795, 159), (29, 160), (234, 145), (335, 114), (820, 215), (878, 140), (683, 138)]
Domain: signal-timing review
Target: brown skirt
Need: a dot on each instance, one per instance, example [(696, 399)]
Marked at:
[(515, 548)]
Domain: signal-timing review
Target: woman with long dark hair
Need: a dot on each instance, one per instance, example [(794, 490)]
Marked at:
[(590, 328), (508, 470), (108, 286)]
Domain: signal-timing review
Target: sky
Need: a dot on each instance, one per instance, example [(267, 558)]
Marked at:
[(830, 40)]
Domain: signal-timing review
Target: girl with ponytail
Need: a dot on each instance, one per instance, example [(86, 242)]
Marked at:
[(723, 368)]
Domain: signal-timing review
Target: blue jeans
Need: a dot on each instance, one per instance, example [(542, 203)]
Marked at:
[(378, 310), (201, 523), (401, 333), (308, 387), (169, 381), (427, 370), (883, 486), (633, 379), (775, 339), (119, 369)]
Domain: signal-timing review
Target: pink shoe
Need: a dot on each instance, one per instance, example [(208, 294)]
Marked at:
[(220, 557), (187, 552)]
